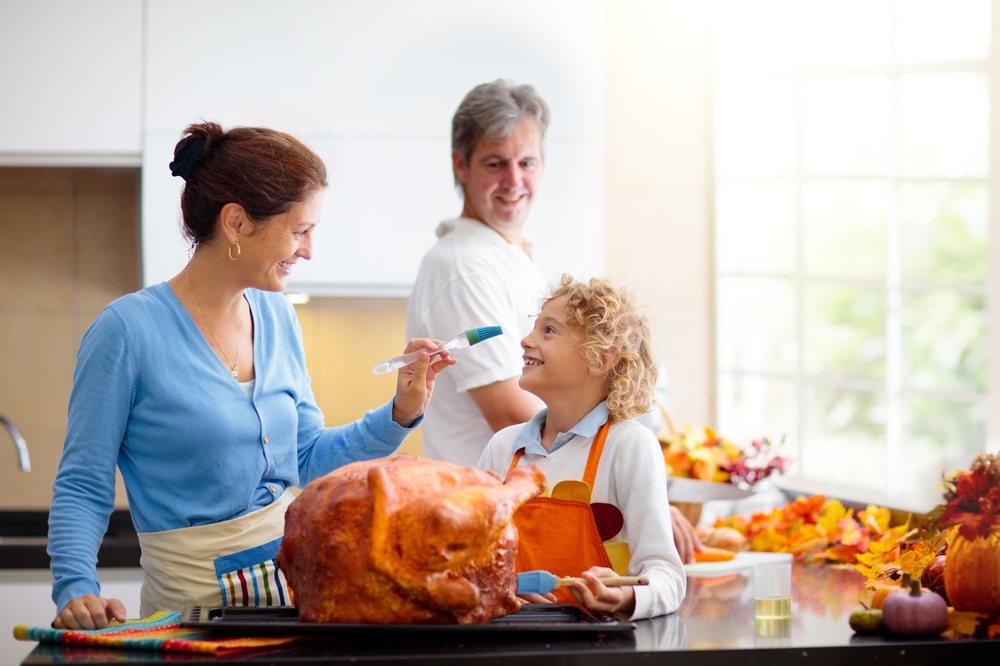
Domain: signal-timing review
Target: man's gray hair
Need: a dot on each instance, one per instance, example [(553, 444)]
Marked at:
[(491, 111)]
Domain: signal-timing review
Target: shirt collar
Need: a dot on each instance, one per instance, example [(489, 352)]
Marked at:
[(478, 228), (530, 437)]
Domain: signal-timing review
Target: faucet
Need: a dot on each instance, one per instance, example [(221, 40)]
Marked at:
[(23, 459)]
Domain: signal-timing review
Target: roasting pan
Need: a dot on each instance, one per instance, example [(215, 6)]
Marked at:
[(547, 619)]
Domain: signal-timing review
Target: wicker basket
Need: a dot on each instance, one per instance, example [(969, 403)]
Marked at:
[(690, 510)]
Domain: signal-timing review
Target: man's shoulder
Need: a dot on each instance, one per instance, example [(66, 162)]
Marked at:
[(454, 257)]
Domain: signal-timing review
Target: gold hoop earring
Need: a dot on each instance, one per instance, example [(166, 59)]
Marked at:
[(230, 252)]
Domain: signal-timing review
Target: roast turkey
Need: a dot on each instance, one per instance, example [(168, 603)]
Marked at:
[(403, 540)]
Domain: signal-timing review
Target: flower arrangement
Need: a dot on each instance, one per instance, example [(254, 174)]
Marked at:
[(704, 455), (971, 498)]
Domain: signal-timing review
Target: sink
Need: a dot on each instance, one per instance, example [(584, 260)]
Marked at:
[(23, 539)]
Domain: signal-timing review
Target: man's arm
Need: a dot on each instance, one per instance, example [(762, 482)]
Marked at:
[(505, 403)]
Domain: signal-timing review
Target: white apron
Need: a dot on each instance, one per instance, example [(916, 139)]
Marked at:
[(222, 564)]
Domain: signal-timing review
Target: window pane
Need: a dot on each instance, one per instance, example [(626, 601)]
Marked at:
[(940, 436), (756, 228), (756, 320), (944, 124), (754, 407), (754, 36), (844, 332), (935, 31), (844, 226), (846, 126), (755, 126), (944, 341), (844, 437), (848, 33), (945, 229)]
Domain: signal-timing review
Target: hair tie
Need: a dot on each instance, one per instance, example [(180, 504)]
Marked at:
[(187, 156)]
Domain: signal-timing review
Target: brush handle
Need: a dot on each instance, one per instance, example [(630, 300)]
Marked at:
[(611, 581)]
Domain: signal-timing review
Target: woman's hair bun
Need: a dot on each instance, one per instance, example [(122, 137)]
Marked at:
[(188, 152)]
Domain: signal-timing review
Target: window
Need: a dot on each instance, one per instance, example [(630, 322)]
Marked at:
[(852, 215)]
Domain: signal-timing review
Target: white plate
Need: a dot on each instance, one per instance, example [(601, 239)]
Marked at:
[(680, 489), (742, 561)]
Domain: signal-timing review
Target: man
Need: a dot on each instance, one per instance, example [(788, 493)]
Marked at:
[(480, 271)]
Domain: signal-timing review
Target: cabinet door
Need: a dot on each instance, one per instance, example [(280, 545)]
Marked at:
[(372, 86), (70, 81)]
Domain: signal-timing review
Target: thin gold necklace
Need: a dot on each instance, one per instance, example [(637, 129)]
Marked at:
[(234, 368)]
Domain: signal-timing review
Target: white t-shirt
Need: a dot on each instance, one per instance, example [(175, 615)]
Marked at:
[(472, 277), (630, 475)]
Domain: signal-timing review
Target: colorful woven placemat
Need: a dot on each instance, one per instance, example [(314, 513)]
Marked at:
[(159, 631)]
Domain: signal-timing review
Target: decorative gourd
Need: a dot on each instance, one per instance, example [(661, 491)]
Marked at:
[(915, 613), (932, 577), (972, 573), (878, 598), (867, 621)]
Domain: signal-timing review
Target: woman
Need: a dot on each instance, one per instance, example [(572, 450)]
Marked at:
[(197, 390)]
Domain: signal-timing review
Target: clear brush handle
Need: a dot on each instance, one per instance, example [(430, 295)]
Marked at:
[(397, 362), (466, 339)]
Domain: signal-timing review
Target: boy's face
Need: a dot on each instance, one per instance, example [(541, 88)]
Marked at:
[(553, 363)]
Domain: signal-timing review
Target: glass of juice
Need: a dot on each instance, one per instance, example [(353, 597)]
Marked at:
[(772, 589)]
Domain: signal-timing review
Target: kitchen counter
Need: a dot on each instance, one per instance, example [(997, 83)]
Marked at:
[(715, 625)]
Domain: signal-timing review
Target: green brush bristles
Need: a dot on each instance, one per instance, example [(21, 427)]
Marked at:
[(482, 333)]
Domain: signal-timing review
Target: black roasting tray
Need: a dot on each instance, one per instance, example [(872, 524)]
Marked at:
[(546, 619)]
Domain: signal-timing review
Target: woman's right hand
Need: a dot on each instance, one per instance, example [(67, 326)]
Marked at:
[(89, 612)]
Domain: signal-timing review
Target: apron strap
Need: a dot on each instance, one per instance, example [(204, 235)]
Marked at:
[(516, 459), (596, 448)]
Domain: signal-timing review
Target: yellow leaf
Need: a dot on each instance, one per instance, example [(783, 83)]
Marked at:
[(916, 558), (963, 624), (876, 518)]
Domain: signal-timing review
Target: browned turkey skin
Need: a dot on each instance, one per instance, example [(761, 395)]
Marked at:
[(404, 540)]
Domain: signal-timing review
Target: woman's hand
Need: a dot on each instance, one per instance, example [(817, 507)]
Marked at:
[(415, 382), (685, 537), (89, 612), (598, 597)]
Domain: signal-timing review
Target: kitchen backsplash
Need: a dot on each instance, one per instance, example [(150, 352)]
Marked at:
[(69, 244)]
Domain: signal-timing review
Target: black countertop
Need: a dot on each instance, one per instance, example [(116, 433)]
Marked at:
[(715, 625), (23, 538)]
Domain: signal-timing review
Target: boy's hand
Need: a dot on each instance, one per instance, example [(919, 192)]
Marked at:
[(598, 597)]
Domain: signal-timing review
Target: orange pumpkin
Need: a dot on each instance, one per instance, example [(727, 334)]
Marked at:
[(972, 573), (878, 598)]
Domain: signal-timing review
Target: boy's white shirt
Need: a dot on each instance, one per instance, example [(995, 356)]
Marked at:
[(632, 476)]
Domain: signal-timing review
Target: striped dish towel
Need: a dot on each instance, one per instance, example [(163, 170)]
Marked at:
[(160, 631)]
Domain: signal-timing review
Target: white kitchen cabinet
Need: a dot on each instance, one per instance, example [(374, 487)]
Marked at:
[(372, 86), (70, 80)]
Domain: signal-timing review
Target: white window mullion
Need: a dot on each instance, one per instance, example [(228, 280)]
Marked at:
[(993, 251), (894, 307)]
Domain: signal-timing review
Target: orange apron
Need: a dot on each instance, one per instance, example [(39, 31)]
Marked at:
[(560, 535)]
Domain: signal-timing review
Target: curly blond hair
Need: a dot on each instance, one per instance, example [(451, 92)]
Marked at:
[(613, 325)]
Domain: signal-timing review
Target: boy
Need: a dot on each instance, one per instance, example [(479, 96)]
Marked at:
[(588, 358)]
